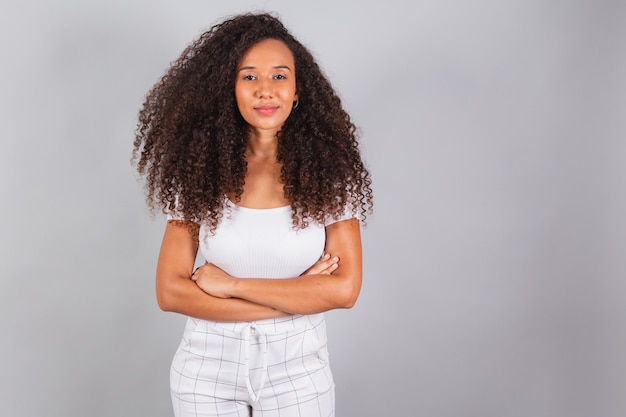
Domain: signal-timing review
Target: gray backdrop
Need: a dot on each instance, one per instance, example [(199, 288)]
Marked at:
[(494, 265)]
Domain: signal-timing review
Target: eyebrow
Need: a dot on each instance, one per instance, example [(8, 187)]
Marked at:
[(275, 67)]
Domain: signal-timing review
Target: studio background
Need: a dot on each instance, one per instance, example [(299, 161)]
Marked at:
[(495, 261)]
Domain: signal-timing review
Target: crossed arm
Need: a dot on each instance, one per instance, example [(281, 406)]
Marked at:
[(333, 282)]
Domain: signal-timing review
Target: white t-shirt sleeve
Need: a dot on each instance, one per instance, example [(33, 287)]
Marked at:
[(347, 215), (174, 214)]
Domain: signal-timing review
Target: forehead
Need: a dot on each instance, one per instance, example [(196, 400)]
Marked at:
[(268, 51)]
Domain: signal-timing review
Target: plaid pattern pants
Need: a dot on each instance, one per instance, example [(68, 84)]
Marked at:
[(266, 368)]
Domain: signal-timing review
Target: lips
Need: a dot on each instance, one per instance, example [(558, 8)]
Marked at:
[(266, 110)]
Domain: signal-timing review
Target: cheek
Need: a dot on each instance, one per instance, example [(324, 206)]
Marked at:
[(289, 93)]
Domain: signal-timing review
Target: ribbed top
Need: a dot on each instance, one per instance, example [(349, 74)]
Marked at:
[(262, 243)]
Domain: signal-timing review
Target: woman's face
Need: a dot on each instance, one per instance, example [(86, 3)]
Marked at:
[(265, 87)]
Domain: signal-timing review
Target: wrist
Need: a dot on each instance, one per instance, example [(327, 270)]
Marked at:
[(234, 290)]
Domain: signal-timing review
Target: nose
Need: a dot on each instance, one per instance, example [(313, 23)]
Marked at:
[(264, 88)]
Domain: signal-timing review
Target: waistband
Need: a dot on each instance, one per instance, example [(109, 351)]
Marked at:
[(270, 326)]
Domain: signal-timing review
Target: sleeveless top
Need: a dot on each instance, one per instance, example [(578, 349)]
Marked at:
[(262, 243)]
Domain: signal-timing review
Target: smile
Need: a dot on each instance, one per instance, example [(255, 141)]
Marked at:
[(266, 110)]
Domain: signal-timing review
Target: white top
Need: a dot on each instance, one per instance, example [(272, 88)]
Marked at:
[(262, 243)]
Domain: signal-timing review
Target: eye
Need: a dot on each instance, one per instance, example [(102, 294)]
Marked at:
[(249, 77), (280, 77)]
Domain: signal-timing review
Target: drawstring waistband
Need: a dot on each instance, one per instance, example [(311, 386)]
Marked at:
[(247, 332)]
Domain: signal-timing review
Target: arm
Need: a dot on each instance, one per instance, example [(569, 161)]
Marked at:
[(308, 294), (177, 293)]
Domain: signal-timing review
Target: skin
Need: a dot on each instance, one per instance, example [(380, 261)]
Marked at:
[(265, 89)]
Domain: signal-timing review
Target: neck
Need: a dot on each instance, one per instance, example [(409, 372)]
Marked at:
[(263, 144)]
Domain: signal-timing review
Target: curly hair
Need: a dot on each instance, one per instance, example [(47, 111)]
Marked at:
[(191, 139)]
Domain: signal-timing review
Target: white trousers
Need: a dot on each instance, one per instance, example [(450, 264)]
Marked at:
[(263, 368)]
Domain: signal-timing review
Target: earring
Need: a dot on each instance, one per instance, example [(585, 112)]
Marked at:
[(295, 103)]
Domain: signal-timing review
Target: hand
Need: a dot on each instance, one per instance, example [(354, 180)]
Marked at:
[(324, 266), (213, 281)]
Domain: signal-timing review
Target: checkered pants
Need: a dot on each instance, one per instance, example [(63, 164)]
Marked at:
[(266, 368)]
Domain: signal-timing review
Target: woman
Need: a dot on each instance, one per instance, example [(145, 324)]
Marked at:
[(246, 147)]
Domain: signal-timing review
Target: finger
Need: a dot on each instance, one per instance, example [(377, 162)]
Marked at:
[(314, 269), (193, 274), (330, 269), (319, 267), (322, 265)]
